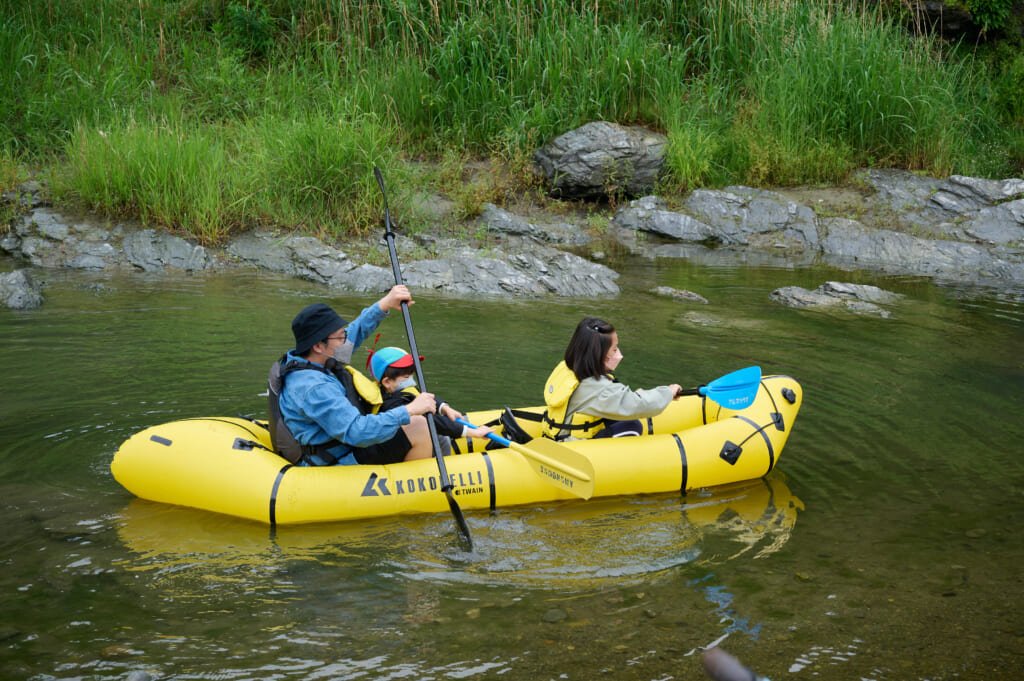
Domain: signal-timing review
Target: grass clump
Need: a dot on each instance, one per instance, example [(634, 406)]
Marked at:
[(11, 175), (313, 174)]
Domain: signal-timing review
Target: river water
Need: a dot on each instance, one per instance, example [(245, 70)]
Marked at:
[(886, 545)]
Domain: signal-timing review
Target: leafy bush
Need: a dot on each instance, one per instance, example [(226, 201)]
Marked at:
[(990, 14)]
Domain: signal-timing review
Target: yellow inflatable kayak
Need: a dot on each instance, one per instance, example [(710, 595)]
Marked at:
[(225, 464)]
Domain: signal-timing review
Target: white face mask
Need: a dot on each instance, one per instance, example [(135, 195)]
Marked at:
[(343, 353), (410, 382)]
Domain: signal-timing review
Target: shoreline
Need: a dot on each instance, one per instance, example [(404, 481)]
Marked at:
[(961, 230)]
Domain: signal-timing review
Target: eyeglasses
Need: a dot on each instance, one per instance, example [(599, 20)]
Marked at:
[(343, 337)]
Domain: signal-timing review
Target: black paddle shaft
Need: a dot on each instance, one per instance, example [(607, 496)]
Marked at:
[(446, 483)]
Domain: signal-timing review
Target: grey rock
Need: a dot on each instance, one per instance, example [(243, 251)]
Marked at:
[(46, 238), (564, 274), (977, 192), (19, 291), (739, 215), (687, 296), (849, 242), (901, 190), (862, 292), (776, 231), (856, 298), (45, 220), (601, 158), (524, 268), (501, 221), (26, 195), (1002, 224), (937, 206), (10, 243), (34, 248), (363, 278), (302, 256), (309, 258), (85, 261), (649, 214), (153, 250), (54, 230), (264, 251)]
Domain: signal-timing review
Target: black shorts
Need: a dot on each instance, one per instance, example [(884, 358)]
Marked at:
[(389, 451), (621, 429)]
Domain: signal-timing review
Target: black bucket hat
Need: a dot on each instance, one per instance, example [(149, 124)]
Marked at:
[(315, 323)]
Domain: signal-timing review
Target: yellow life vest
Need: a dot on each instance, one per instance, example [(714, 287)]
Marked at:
[(367, 388), (559, 389)]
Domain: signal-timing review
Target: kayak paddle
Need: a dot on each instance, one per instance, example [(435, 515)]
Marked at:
[(446, 483), (556, 463), (733, 391)]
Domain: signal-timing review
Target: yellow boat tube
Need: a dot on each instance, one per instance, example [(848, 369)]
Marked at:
[(225, 464)]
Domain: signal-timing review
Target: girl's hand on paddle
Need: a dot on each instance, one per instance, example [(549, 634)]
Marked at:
[(676, 389), (395, 297), (423, 404)]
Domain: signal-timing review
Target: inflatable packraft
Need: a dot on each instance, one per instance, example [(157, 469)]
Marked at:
[(226, 465)]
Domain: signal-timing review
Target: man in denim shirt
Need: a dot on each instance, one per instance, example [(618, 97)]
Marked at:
[(319, 404)]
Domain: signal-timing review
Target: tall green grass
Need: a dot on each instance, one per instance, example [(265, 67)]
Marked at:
[(221, 114), (11, 175), (311, 173), (835, 91), (174, 175)]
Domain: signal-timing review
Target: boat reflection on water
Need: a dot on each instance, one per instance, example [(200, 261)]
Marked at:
[(564, 545), (756, 518)]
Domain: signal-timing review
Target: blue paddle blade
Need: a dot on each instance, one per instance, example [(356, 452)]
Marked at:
[(736, 390)]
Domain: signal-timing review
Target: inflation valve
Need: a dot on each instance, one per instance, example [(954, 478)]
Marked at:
[(730, 452)]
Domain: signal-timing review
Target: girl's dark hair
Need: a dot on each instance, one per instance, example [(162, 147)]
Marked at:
[(588, 348)]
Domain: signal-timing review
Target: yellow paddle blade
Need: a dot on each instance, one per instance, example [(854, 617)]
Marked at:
[(559, 465)]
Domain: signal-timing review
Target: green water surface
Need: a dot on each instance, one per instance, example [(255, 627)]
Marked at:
[(886, 545)]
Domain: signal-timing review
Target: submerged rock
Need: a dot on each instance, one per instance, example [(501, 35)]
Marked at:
[(686, 296), (857, 298), (555, 615)]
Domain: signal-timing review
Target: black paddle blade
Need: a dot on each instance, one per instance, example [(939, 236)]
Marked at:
[(460, 520)]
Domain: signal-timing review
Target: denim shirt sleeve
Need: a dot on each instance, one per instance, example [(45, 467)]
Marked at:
[(360, 328)]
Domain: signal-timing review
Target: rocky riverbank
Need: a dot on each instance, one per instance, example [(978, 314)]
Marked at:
[(960, 229)]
